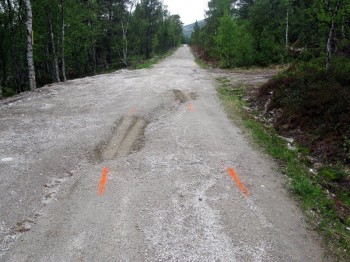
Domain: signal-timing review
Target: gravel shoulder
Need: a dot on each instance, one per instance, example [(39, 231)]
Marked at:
[(167, 143)]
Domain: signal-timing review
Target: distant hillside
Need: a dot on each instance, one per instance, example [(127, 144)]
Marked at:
[(188, 29)]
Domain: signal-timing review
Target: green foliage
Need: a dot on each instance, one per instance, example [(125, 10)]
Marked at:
[(100, 36), (234, 44), (195, 37), (321, 209), (275, 31), (332, 173), (139, 63)]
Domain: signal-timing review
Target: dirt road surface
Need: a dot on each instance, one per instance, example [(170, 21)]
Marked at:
[(167, 144)]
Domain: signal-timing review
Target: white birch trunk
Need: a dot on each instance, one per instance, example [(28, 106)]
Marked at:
[(330, 46), (125, 28), (331, 36), (31, 70), (287, 30)]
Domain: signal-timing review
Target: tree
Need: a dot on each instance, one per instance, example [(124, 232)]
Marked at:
[(195, 34), (234, 44), (56, 73), (331, 12), (125, 22), (31, 71), (78, 38)]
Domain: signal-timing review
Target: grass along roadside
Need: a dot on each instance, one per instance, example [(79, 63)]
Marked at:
[(316, 201), (143, 64), (201, 63)]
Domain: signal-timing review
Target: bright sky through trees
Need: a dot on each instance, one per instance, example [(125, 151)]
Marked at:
[(189, 10)]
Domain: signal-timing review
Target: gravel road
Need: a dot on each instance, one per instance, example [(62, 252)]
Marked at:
[(167, 144)]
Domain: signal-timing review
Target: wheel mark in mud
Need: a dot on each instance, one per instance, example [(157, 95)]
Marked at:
[(232, 172), (183, 97), (103, 181), (127, 137)]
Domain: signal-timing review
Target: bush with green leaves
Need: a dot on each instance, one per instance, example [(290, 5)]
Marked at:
[(233, 43)]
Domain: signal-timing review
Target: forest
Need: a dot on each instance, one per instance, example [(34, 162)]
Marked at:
[(311, 40), (264, 32), (47, 41)]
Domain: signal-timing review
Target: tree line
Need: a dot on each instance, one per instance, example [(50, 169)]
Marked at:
[(48, 41), (262, 32)]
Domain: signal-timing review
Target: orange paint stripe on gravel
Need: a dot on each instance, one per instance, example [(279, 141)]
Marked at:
[(103, 181), (190, 107), (132, 111), (238, 182)]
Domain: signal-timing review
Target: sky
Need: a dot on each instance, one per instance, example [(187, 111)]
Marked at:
[(189, 10)]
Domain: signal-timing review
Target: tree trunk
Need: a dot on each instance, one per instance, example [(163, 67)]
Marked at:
[(330, 42), (331, 36), (148, 43), (56, 74), (125, 45), (125, 28), (31, 70), (287, 30), (63, 60)]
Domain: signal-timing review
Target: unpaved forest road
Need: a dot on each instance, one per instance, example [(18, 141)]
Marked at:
[(167, 143)]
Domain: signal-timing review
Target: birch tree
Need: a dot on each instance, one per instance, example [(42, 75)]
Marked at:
[(78, 38), (125, 22), (333, 7), (30, 42)]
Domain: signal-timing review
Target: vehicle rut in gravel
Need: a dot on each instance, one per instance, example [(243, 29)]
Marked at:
[(127, 137)]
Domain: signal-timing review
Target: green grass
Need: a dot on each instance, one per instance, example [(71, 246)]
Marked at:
[(144, 64), (201, 63), (315, 201)]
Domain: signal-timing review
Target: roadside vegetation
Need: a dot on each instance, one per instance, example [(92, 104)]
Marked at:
[(138, 63), (301, 117), (323, 199), (69, 39)]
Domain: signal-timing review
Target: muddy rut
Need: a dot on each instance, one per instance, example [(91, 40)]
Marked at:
[(127, 137)]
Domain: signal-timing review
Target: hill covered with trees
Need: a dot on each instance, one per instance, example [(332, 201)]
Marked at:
[(188, 29), (49, 41)]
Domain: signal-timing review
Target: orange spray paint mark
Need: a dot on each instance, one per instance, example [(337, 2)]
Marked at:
[(238, 182), (103, 181), (132, 111), (190, 107)]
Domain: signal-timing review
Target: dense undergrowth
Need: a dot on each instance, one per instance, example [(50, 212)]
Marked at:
[(313, 106)]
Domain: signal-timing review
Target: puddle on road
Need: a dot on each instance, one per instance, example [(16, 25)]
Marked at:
[(127, 137)]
